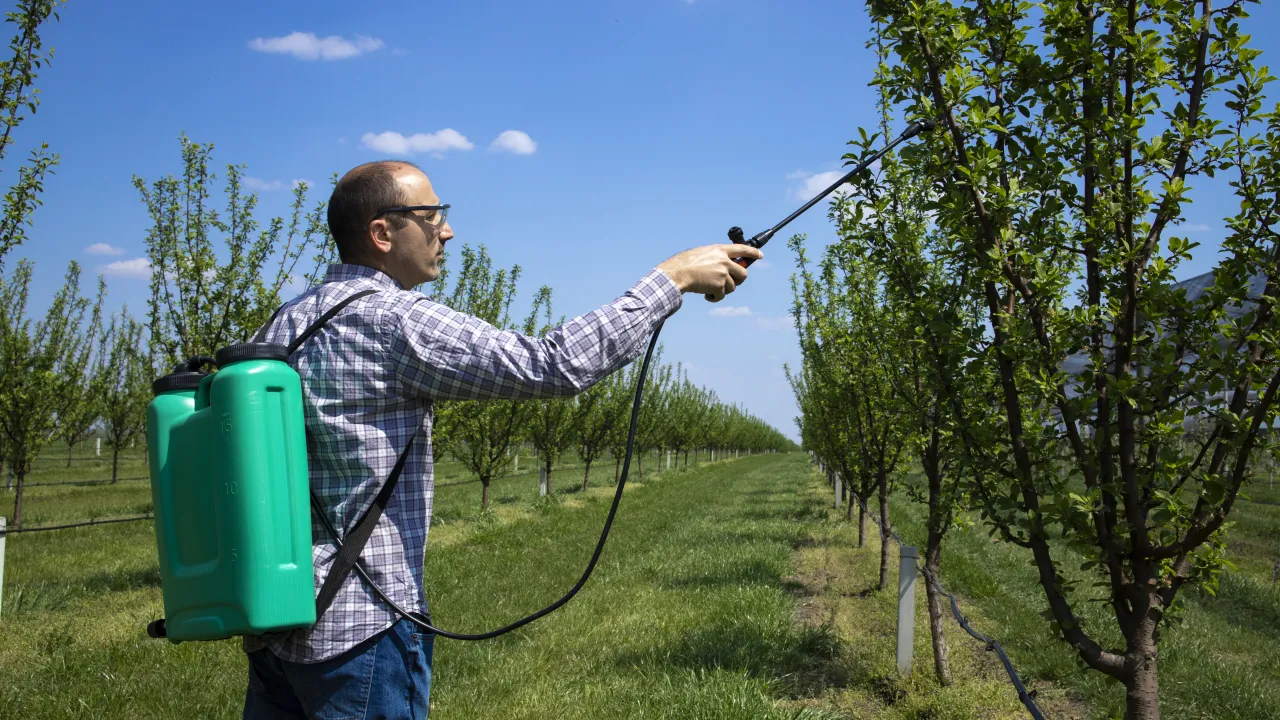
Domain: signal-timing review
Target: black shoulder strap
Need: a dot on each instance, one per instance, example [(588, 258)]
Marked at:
[(314, 327), (355, 540)]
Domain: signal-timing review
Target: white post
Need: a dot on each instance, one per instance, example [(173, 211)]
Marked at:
[(668, 459), (542, 482), (713, 454), (906, 607), (517, 467), (98, 450), (839, 488), (2, 534)]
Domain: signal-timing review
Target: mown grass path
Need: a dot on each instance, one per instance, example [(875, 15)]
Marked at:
[(687, 615), (730, 590)]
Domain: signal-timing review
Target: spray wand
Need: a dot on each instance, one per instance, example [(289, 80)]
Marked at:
[(758, 240)]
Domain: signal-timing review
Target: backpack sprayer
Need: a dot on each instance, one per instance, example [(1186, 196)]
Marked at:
[(229, 483)]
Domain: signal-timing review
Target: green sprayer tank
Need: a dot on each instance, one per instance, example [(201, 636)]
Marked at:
[(228, 456)]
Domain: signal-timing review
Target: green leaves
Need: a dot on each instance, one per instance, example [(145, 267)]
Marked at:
[(18, 75), (35, 362), (217, 276)]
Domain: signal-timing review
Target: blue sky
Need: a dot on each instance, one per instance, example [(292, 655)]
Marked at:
[(632, 130)]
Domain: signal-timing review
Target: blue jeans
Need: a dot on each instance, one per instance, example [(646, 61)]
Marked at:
[(387, 677)]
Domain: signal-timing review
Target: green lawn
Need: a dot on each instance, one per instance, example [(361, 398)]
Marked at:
[(687, 615), (730, 590)]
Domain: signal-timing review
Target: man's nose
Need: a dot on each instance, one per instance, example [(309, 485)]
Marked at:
[(446, 233)]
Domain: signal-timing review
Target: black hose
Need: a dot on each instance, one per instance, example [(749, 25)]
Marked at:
[(595, 557)]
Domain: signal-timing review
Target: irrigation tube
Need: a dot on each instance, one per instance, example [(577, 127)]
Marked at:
[(87, 523), (103, 481), (991, 643)]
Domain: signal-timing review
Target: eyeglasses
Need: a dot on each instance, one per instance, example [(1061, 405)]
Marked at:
[(441, 212)]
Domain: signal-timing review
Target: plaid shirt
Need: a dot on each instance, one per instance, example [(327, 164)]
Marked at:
[(368, 381)]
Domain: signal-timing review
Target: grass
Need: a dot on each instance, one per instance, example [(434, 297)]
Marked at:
[(687, 615), (729, 590)]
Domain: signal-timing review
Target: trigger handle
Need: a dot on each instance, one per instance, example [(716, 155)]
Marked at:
[(737, 238)]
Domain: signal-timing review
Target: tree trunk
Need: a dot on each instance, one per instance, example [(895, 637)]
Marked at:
[(617, 469), (586, 476), (1142, 692), (484, 494), (115, 462), (862, 524), (849, 501), (639, 469), (69, 446), (884, 530), (547, 465), (686, 459), (17, 499), (937, 524), (933, 562)]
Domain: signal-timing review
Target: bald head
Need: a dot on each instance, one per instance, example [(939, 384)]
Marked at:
[(361, 193)]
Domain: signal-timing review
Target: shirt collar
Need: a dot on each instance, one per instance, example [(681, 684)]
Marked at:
[(349, 271)]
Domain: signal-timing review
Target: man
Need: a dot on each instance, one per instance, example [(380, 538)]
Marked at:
[(369, 378)]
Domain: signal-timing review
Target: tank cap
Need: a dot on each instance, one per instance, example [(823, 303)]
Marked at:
[(251, 351), (177, 381)]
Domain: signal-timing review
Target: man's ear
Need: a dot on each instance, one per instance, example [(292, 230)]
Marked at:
[(379, 238)]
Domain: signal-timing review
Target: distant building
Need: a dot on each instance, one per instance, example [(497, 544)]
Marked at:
[(1077, 363)]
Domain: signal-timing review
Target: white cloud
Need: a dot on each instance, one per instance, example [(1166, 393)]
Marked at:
[(815, 183), (135, 268), (306, 46), (299, 181), (762, 264), (103, 249), (731, 311), (783, 322), (514, 141), (1196, 227), (293, 285), (254, 183), (396, 144)]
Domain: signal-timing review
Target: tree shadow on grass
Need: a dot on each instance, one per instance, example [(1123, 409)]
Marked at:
[(793, 513), (1250, 606), (742, 574), (123, 580), (42, 597), (802, 660)]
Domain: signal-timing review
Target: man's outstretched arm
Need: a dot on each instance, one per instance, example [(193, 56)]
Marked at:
[(443, 354)]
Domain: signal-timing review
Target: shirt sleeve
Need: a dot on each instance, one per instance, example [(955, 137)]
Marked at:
[(442, 354)]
